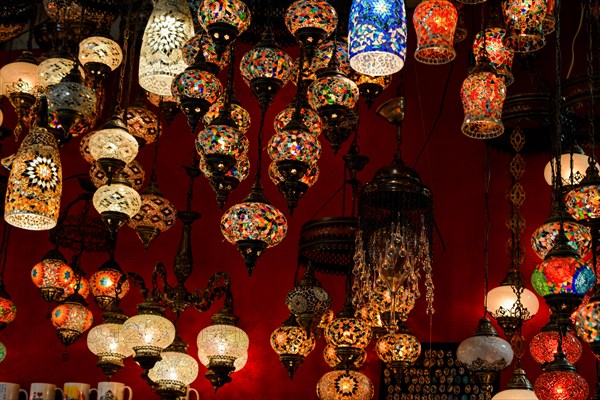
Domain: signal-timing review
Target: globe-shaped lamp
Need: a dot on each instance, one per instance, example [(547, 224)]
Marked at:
[(175, 371), (292, 344), (339, 385), (71, 318), (52, 276), (311, 21)]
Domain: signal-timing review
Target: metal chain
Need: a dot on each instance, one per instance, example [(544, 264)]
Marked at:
[(590, 73), (557, 98), (118, 109)]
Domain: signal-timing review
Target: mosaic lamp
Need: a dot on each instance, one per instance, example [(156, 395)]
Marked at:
[(266, 68), (54, 68), (239, 115), (435, 23), (483, 93), (35, 183), (8, 310), (107, 342), (169, 27), (142, 124), (148, 333), (519, 388), (573, 166), (560, 381), (583, 201), (133, 172), (253, 226), (340, 384), (117, 202), (156, 215), (222, 343), (223, 185), (202, 43), (71, 318), (485, 354), (113, 147), (333, 360), (398, 350), (544, 345), (292, 344), (500, 55), (175, 371), (525, 23), (99, 55), (370, 87), (311, 21), (52, 276), (579, 236), (308, 301), (307, 115), (79, 283), (224, 21), (586, 322), (104, 282), (322, 58), (377, 36), (348, 334)]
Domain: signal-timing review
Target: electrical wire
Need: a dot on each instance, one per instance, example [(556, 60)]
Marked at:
[(574, 40)]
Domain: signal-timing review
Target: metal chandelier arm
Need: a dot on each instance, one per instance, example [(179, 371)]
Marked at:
[(136, 280), (219, 285)]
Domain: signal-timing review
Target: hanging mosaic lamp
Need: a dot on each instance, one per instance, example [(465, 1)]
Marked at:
[(35, 183), (202, 43), (253, 226), (550, 19), (292, 344), (563, 279), (525, 23), (107, 342), (224, 21), (307, 115), (71, 102), (294, 150), (560, 381), (377, 36), (519, 388), (483, 93), (370, 87), (435, 23), (311, 21), (113, 147), (499, 55), (586, 322), (333, 360), (8, 310), (104, 285), (579, 236), (308, 301), (117, 202), (323, 56), (544, 345), (222, 343), (52, 276), (54, 68), (99, 55), (340, 385), (239, 115), (175, 371), (142, 124), (169, 27), (224, 184), (133, 172), (348, 334), (71, 318), (79, 284), (309, 178), (485, 354), (398, 350), (583, 201), (266, 68), (156, 215)]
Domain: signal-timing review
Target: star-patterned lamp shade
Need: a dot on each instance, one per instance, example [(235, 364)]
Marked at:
[(116, 203), (156, 215), (52, 70), (35, 183), (309, 178), (544, 345), (377, 36), (579, 237), (113, 146), (8, 311), (99, 55), (104, 284), (333, 360), (561, 385), (333, 95), (292, 344), (310, 21), (562, 275), (435, 23), (339, 385), (525, 23), (107, 342), (398, 350), (142, 124), (308, 116), (170, 26), (500, 55), (224, 20), (483, 93), (132, 173), (239, 115), (52, 276), (175, 371), (202, 42), (71, 319)]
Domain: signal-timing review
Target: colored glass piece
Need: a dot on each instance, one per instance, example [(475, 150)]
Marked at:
[(340, 385), (311, 14), (308, 116), (525, 23), (254, 221), (72, 316), (498, 53), (543, 347), (232, 12), (238, 114), (297, 145), (8, 311), (197, 84), (435, 23), (104, 282), (202, 41), (222, 139), (323, 55), (579, 237), (559, 275), (583, 203), (266, 62), (561, 385), (332, 91)]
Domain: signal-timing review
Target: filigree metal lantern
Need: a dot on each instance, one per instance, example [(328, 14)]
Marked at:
[(338, 385), (71, 319), (525, 23), (117, 202), (106, 341), (52, 276), (99, 55), (169, 28), (377, 36), (292, 344), (175, 371), (104, 284), (311, 21), (435, 22), (224, 21)]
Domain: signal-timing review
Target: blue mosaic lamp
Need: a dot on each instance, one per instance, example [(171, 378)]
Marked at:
[(377, 36)]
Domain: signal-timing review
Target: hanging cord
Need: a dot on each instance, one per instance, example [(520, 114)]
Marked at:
[(120, 94), (4, 250), (575, 39), (488, 223), (154, 176), (80, 34), (31, 27), (590, 73), (131, 49), (259, 149)]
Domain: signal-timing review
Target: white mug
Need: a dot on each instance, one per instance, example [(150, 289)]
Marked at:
[(187, 394), (11, 391), (113, 391), (44, 391), (77, 391)]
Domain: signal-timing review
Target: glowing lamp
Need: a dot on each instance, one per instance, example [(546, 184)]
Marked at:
[(435, 23)]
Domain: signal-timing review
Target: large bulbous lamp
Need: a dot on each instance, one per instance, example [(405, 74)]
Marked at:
[(175, 371), (222, 343), (339, 385), (266, 68), (307, 115), (348, 334), (483, 93), (311, 21), (52, 276), (239, 115), (583, 201), (377, 36), (544, 345), (224, 20), (398, 350), (71, 318), (54, 68), (560, 381), (586, 322), (117, 202), (485, 354), (202, 43), (8, 310), (525, 23), (148, 333), (292, 344), (170, 26), (142, 124), (99, 55), (573, 166), (104, 284), (519, 388), (435, 23), (107, 342), (579, 237)]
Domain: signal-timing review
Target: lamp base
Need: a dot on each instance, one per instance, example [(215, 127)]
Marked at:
[(219, 164), (106, 303), (194, 109), (68, 336), (114, 220), (52, 294), (222, 34), (251, 250), (562, 306), (265, 90), (218, 375), (147, 234), (223, 185), (291, 362), (147, 356), (111, 167), (96, 72)]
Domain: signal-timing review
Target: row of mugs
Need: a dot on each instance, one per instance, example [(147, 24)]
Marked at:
[(73, 391)]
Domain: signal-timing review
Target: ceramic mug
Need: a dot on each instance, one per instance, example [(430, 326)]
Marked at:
[(77, 391), (44, 391), (113, 391), (187, 394), (11, 391)]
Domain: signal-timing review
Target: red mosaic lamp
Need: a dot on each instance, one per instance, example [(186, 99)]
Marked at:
[(435, 23)]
